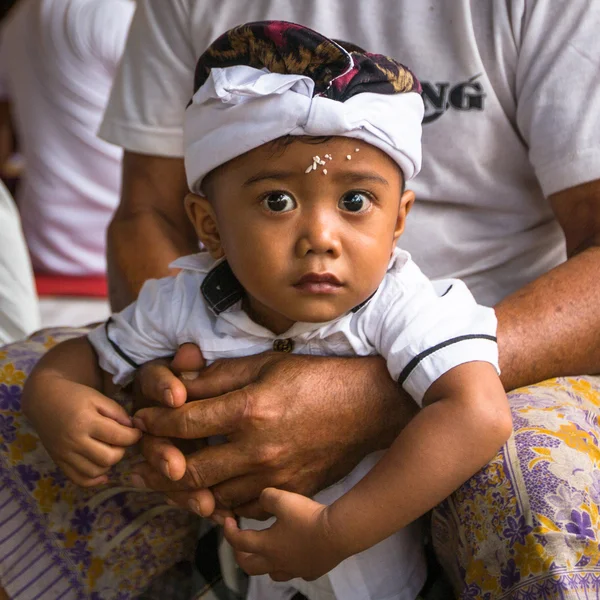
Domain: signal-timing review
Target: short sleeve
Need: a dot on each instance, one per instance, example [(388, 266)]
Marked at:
[(154, 82), (427, 329), (98, 28), (558, 95), (141, 332)]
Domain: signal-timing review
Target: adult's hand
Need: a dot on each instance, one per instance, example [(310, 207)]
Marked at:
[(295, 422)]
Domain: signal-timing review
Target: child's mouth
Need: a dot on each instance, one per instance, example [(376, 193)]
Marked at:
[(319, 283)]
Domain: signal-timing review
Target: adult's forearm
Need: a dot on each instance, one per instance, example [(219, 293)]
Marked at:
[(551, 327), (150, 228), (140, 247)]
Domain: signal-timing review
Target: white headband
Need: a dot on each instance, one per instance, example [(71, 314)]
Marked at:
[(240, 108)]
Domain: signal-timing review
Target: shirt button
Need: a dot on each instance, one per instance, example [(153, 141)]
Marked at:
[(285, 345)]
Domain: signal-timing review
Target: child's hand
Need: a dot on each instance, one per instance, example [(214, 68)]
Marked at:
[(84, 432), (297, 545)]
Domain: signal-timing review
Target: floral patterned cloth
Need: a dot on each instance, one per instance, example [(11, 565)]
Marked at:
[(526, 527), (61, 541)]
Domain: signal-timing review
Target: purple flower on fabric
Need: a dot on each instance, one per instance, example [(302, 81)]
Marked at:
[(564, 500), (509, 576), (517, 530), (80, 554), (472, 592), (10, 397), (581, 524), (28, 476), (7, 429), (83, 520)]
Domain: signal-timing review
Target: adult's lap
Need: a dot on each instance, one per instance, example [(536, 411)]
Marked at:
[(528, 525), (59, 540)]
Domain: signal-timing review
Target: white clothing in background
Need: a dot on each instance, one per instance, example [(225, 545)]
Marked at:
[(19, 312), (512, 112), (422, 329), (57, 62), (73, 311)]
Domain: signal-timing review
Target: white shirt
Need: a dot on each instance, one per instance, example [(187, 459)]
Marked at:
[(19, 311), (57, 63), (422, 329), (512, 112)]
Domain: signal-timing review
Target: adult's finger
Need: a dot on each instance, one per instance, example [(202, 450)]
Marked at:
[(163, 456), (238, 491), (226, 375), (252, 510), (201, 502), (204, 468), (198, 419)]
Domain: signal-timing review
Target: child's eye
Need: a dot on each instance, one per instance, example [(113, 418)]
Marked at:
[(355, 202), (279, 202)]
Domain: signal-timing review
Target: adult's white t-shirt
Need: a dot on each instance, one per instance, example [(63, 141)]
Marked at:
[(512, 112), (58, 59)]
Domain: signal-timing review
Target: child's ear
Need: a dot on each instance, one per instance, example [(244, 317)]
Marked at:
[(203, 218), (406, 202)]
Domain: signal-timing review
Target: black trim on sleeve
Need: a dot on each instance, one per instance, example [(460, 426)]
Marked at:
[(116, 348), (412, 365), (451, 286)]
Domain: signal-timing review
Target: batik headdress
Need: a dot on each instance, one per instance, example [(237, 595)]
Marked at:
[(265, 80)]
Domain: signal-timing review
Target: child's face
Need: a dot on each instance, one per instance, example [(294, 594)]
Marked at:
[(305, 246)]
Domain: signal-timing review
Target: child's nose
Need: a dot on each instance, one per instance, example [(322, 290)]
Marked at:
[(318, 235)]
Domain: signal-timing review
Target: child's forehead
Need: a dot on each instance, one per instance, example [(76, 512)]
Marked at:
[(306, 160), (291, 149)]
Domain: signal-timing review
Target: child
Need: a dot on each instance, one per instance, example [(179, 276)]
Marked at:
[(296, 153)]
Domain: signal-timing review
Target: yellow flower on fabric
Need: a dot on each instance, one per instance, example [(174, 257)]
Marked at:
[(50, 342), (23, 443), (578, 440), (71, 537), (46, 494), (478, 573), (3, 355), (532, 558), (583, 387), (95, 571), (11, 376)]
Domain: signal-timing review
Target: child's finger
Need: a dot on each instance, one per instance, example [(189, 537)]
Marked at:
[(78, 468), (280, 576), (244, 541), (81, 480), (109, 408), (111, 432), (253, 564), (102, 454)]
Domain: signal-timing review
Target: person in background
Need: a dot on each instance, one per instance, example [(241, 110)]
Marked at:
[(508, 200), (57, 62), (19, 310)]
